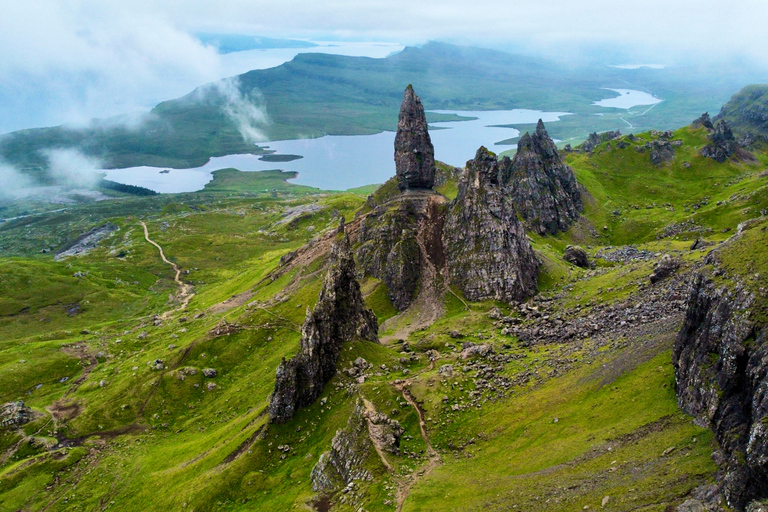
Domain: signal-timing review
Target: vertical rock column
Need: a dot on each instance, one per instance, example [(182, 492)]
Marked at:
[(414, 153)]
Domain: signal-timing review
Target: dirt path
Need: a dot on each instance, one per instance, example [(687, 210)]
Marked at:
[(185, 290), (433, 460)]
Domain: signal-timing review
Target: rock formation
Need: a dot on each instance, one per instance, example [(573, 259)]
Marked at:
[(345, 462), (367, 429), (487, 252), (703, 121), (338, 317), (14, 414), (596, 139), (542, 186), (723, 143), (721, 367), (414, 153), (399, 239), (577, 256), (661, 151), (664, 268)]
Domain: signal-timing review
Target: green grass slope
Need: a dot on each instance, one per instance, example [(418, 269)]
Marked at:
[(100, 349)]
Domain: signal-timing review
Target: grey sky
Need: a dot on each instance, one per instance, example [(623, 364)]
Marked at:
[(68, 61)]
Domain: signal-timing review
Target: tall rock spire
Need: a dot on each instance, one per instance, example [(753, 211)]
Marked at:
[(414, 153)]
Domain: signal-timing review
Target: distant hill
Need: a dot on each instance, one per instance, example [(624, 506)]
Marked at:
[(747, 111), (318, 94), (230, 43)]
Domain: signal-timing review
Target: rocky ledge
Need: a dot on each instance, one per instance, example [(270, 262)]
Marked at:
[(338, 317)]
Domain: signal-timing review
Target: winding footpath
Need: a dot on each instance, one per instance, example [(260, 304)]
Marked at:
[(185, 290), (434, 459)]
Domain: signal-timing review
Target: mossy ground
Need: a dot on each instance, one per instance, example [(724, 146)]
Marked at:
[(81, 352)]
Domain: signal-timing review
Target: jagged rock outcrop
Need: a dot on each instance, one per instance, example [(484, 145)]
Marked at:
[(723, 143), (577, 256), (664, 268), (367, 429), (399, 239), (14, 414), (542, 186), (595, 139), (338, 317), (345, 462), (487, 252), (414, 153), (389, 250), (383, 430), (721, 370), (661, 152), (703, 121)]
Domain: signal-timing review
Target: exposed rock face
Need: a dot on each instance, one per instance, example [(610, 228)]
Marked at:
[(723, 143), (384, 431), (577, 256), (661, 152), (345, 462), (487, 252), (414, 153), (703, 121), (664, 268), (338, 317), (543, 188), (721, 369), (389, 250), (14, 414), (595, 139), (366, 429), (399, 239)]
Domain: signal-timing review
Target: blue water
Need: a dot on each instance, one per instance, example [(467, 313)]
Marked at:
[(343, 162)]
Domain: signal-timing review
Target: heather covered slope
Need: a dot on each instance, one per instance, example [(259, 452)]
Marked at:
[(565, 401)]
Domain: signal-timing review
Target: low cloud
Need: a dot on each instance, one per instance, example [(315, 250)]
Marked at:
[(69, 167), (68, 62), (14, 183), (247, 111), (69, 170)]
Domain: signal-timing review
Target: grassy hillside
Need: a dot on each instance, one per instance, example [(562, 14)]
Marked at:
[(100, 348)]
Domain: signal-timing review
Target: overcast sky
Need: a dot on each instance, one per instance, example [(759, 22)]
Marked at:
[(66, 61)]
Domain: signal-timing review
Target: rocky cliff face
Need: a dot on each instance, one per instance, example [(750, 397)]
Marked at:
[(344, 463), (367, 430), (398, 239), (721, 372), (542, 186), (487, 252), (414, 153), (338, 317)]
